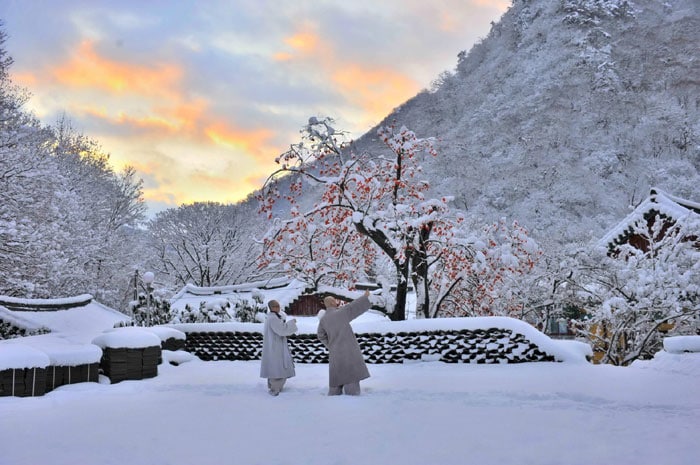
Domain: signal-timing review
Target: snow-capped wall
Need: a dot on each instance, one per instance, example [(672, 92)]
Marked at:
[(465, 340)]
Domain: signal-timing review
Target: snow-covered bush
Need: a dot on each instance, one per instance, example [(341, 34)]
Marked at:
[(634, 297), (8, 331), (246, 310), (212, 312), (150, 313)]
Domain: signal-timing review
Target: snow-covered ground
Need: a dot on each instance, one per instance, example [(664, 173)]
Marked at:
[(417, 413)]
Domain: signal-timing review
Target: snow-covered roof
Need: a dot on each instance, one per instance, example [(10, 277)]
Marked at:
[(284, 290), (74, 315), (658, 201), (16, 303)]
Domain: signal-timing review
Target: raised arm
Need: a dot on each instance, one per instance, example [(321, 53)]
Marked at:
[(282, 328), (358, 306)]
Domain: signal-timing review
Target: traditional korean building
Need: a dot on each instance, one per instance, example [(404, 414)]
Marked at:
[(79, 315), (637, 229)]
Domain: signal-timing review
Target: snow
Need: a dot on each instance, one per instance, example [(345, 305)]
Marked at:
[(305, 325), (59, 350), (21, 356), (127, 338), (412, 414), (72, 330), (78, 299), (177, 357), (63, 350), (165, 333), (679, 344), (82, 322), (671, 206), (285, 291)]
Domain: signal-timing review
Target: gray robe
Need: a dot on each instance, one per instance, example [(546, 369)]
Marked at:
[(346, 364), (276, 359)]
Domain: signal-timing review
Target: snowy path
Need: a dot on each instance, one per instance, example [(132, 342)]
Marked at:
[(422, 413)]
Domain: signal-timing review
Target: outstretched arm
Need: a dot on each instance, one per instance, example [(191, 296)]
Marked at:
[(358, 306)]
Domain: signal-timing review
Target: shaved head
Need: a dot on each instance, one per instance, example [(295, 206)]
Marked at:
[(329, 302)]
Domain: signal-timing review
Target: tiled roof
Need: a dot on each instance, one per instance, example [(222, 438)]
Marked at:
[(658, 202), (80, 314)]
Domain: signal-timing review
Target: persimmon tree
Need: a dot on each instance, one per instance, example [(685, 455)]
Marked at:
[(369, 205), (485, 275), (373, 209)]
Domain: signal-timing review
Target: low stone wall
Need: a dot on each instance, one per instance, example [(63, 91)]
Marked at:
[(173, 344), (493, 345)]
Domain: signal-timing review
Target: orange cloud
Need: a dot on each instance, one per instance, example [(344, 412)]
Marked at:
[(255, 141), (302, 43), (215, 183), (185, 115), (305, 42), (377, 90), (158, 196), (142, 166), (150, 123), (201, 187), (282, 56), (501, 5), (88, 69), (25, 79), (448, 22)]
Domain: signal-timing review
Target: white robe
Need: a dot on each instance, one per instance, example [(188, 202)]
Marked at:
[(276, 359)]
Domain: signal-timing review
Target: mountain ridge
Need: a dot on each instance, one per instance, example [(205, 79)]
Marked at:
[(565, 115)]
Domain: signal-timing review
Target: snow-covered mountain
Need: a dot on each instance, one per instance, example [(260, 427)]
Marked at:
[(566, 114)]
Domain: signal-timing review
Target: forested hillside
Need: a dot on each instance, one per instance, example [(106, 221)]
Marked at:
[(68, 221), (566, 114)]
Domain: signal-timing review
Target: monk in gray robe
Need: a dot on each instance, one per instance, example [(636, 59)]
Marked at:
[(277, 364), (346, 367)]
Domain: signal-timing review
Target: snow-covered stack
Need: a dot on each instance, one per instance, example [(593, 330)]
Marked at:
[(129, 353), (22, 371), (69, 362), (41, 364)]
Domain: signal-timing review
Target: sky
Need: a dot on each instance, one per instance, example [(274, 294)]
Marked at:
[(201, 96), (542, 413)]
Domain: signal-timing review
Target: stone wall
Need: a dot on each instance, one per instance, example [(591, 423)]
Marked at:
[(493, 345)]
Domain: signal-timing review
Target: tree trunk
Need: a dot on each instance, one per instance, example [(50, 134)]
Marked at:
[(399, 313)]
